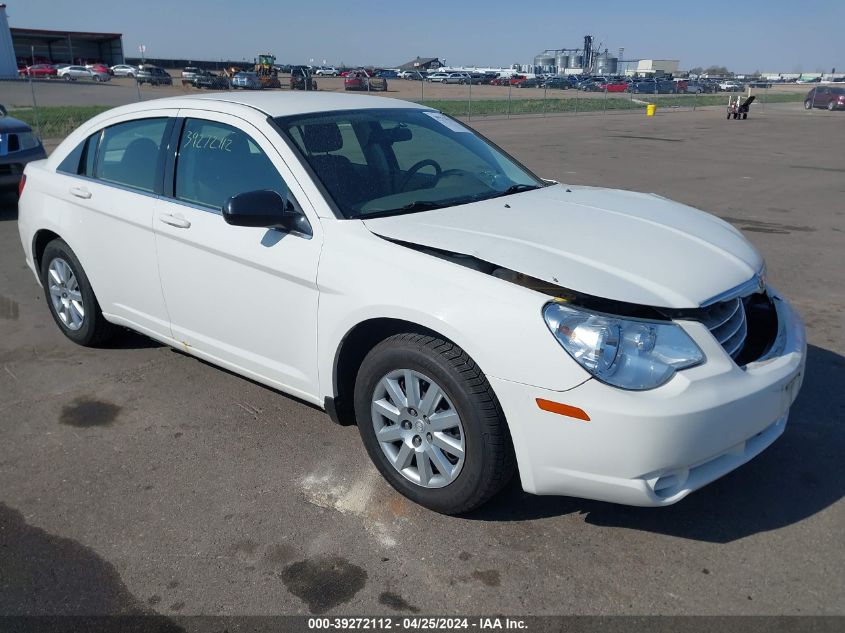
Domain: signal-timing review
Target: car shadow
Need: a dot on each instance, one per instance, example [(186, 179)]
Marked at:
[(49, 575), (8, 205), (797, 477)]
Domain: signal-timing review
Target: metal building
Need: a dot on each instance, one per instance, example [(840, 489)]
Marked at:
[(72, 47)]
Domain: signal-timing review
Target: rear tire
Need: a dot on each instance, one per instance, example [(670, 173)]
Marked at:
[(487, 463), (64, 279)]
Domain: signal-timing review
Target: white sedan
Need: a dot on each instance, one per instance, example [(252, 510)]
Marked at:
[(72, 73), (124, 70), (381, 260)]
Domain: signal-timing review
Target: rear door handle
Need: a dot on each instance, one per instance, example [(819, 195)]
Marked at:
[(80, 192), (173, 220)]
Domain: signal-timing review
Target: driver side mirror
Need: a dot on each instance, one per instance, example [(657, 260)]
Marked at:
[(265, 208)]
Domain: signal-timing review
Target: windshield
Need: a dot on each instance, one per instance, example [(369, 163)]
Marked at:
[(389, 161)]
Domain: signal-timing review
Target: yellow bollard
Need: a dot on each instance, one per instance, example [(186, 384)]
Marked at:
[(650, 109)]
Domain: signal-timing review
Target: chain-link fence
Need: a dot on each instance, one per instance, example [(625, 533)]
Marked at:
[(55, 105)]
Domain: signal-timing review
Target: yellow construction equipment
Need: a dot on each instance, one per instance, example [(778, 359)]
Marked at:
[(265, 68)]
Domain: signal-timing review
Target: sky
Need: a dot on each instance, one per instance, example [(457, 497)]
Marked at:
[(745, 36)]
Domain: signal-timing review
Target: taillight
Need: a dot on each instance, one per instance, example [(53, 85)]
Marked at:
[(21, 185)]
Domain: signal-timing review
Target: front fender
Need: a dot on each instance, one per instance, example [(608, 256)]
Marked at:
[(499, 324)]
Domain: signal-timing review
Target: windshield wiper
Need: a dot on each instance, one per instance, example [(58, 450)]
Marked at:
[(412, 207), (517, 189)]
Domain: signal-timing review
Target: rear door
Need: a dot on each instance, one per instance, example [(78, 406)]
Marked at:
[(245, 298), (111, 183)]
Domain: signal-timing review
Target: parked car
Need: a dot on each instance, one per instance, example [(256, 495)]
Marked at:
[(760, 84), (188, 74), (246, 80), (442, 78), (829, 97), (559, 83), (359, 80), (531, 82), (694, 87), (730, 86), (124, 70), (74, 72), (387, 74), (301, 78), (326, 71), (613, 85), (18, 146), (101, 69), (41, 71), (209, 80), (812, 80), (659, 361), (153, 75), (414, 75)]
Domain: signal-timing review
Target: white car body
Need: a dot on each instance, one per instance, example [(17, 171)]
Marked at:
[(730, 86), (448, 78), (302, 297), (124, 70), (327, 71), (75, 72)]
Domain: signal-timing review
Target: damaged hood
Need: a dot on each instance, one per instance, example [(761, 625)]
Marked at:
[(614, 244)]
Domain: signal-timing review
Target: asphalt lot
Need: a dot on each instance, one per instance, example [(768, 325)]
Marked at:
[(138, 479)]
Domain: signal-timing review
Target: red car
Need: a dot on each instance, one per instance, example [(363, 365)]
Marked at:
[(612, 86), (100, 68), (517, 79), (830, 97), (362, 80), (39, 70)]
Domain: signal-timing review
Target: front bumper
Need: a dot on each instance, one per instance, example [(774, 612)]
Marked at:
[(652, 448)]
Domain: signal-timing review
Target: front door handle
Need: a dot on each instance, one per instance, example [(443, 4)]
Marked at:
[(80, 192), (173, 220)]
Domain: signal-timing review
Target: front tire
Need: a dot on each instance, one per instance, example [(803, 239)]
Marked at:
[(808, 105), (70, 298), (431, 423), (831, 106)]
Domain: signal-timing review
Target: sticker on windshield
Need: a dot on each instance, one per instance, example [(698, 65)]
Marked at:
[(446, 121)]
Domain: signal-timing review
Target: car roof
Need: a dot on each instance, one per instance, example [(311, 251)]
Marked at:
[(11, 124), (273, 104)]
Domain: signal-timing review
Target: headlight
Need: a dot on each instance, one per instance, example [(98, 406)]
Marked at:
[(625, 353)]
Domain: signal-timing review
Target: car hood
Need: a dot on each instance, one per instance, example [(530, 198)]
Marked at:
[(627, 246)]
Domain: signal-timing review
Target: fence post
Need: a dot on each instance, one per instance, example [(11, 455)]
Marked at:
[(509, 98), (545, 90), (422, 89), (604, 106), (576, 100), (469, 105), (138, 88), (35, 107)]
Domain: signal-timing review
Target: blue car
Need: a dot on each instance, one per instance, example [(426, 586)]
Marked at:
[(18, 146)]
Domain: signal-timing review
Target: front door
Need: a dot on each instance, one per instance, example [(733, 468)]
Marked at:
[(245, 298)]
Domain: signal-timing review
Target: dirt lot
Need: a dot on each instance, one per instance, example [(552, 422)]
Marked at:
[(138, 479)]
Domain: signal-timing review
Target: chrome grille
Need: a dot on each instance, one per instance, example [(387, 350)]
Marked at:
[(727, 322)]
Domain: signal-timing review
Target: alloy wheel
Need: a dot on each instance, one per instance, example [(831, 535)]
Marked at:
[(418, 428), (65, 294)]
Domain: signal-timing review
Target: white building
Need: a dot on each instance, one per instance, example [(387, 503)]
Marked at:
[(655, 66)]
